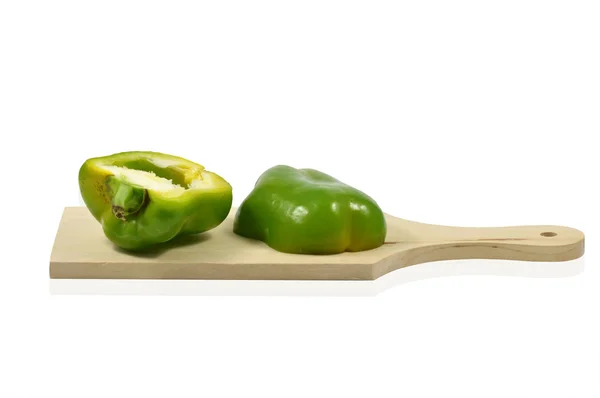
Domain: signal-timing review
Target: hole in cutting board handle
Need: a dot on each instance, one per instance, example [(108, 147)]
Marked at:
[(548, 234)]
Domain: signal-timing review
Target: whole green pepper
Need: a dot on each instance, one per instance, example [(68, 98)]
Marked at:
[(306, 211), (145, 198)]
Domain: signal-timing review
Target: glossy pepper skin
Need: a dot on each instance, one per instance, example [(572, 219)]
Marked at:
[(305, 211), (138, 209)]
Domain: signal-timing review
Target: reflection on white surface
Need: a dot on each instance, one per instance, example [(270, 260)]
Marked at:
[(316, 288)]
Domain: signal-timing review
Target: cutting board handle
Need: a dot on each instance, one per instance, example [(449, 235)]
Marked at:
[(526, 243)]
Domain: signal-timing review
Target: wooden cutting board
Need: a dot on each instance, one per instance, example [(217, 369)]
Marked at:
[(81, 251)]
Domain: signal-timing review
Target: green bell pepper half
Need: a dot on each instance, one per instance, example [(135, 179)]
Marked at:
[(306, 211), (145, 198)]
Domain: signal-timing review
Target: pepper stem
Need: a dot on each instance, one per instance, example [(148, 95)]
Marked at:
[(126, 199)]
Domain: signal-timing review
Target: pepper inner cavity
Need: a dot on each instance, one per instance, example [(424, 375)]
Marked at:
[(146, 179)]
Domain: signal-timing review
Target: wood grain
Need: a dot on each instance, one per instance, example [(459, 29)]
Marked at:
[(81, 251)]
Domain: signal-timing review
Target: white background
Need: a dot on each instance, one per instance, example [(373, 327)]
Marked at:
[(459, 113)]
